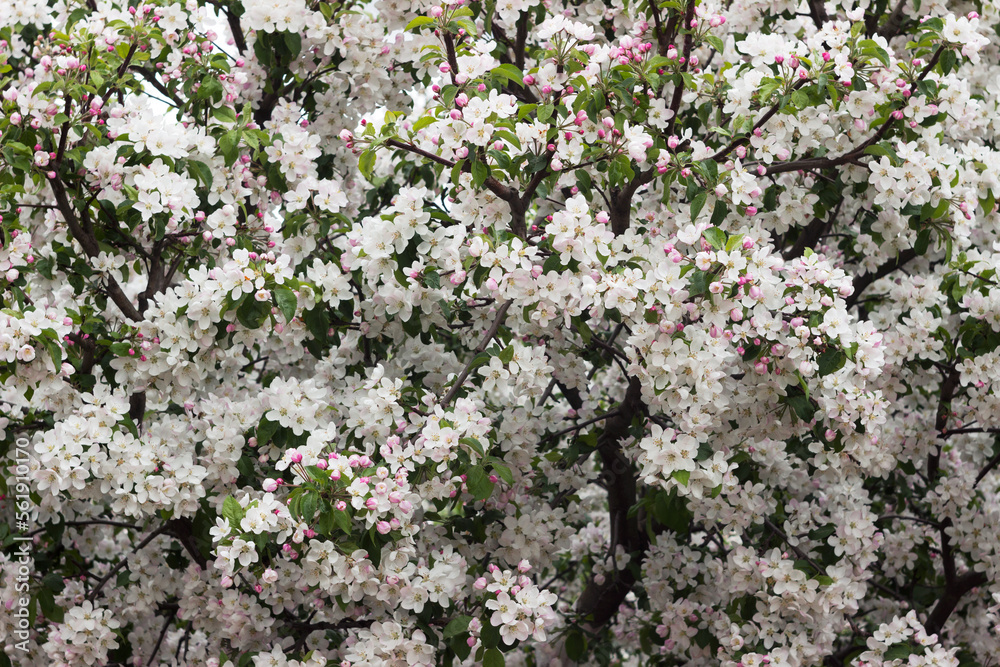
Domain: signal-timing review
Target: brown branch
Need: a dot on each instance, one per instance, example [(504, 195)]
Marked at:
[(949, 384), (150, 76), (520, 91), (892, 26), (795, 549), (521, 40), (163, 633), (855, 153), (64, 131), (149, 538), (90, 522), (91, 248), (862, 282), (599, 602), (955, 586), (449, 45), (733, 145), (986, 470), (496, 187), (915, 519), (585, 424), (817, 9), (182, 530), (497, 322), (658, 29), (812, 233), (675, 102)]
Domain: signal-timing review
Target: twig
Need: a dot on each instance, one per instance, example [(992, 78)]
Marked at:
[(163, 633), (91, 522), (149, 538), (497, 322), (854, 154), (578, 426)]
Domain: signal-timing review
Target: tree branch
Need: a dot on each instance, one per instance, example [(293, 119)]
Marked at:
[(497, 322), (163, 633), (855, 153), (599, 602), (862, 282), (817, 9), (675, 102), (90, 246), (149, 538)]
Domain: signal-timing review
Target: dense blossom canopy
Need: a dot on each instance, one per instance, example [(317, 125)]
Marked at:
[(524, 332)]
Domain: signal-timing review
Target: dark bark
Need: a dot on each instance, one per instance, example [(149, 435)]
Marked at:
[(599, 602), (862, 282)]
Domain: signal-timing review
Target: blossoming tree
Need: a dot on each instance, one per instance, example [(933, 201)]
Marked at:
[(500, 332)]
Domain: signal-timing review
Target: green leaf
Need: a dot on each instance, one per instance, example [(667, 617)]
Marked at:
[(130, 425), (224, 114), (343, 520), (310, 501), (545, 112), (54, 582), (479, 360), (201, 172), (493, 658), (423, 122), (899, 651), (233, 512), (698, 283), (293, 42), (697, 204), (831, 361), (366, 163), (714, 42), (480, 172), (883, 149), (265, 431), (822, 532), (417, 22), (507, 354), (229, 144), (802, 406), (54, 351), (509, 72), (47, 605), (682, 476), (324, 525), (489, 635), (923, 241), (948, 61), (479, 483), (252, 313), (473, 444), (457, 626), (715, 237), (287, 301), (576, 645), (719, 213), (501, 469)]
